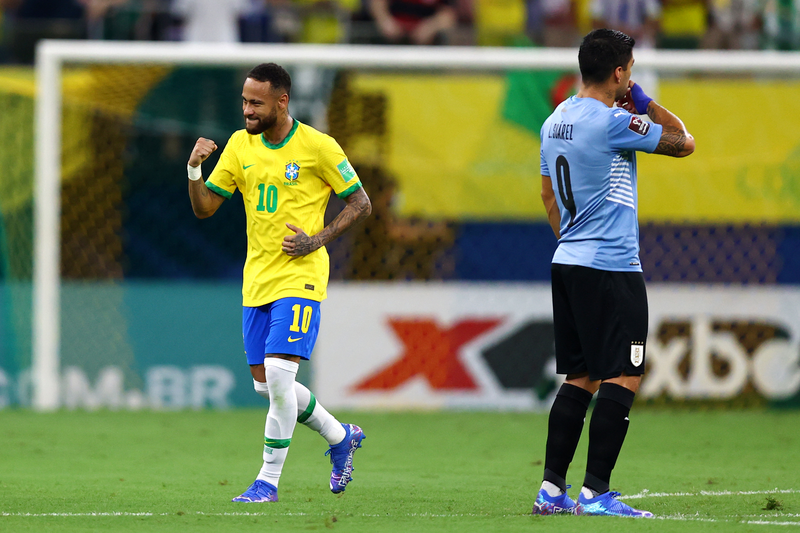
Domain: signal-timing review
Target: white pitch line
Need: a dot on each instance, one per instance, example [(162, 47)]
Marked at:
[(647, 494), (758, 519), (678, 517)]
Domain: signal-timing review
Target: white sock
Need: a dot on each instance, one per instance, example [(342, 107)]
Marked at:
[(551, 489), (588, 493), (281, 418), (319, 419), (313, 415)]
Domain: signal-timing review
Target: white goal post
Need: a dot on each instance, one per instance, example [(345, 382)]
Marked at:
[(51, 56)]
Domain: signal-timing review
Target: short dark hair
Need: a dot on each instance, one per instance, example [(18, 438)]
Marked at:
[(276, 75), (601, 52)]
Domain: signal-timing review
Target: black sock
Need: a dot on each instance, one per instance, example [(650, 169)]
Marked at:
[(563, 432), (607, 431)]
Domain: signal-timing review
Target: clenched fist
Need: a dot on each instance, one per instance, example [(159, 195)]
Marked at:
[(202, 149)]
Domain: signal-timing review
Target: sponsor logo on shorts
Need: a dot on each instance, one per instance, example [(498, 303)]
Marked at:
[(638, 125), (637, 353), (290, 339)]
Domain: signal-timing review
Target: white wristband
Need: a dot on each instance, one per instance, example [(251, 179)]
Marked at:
[(194, 172)]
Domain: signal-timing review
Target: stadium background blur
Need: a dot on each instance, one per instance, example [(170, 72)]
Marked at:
[(441, 298)]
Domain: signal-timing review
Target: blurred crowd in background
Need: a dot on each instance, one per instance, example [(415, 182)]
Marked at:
[(673, 24)]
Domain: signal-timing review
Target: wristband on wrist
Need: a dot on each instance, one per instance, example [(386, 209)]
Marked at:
[(194, 172), (640, 100)]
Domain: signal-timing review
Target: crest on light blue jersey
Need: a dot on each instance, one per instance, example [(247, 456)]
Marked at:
[(292, 171)]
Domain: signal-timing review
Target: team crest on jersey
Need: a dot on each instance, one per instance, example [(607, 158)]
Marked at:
[(292, 172)]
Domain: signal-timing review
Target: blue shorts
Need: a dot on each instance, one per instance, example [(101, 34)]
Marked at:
[(288, 326)]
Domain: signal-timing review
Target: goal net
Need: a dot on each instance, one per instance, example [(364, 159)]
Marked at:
[(113, 295)]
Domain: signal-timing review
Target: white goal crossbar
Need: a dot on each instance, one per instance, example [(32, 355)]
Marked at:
[(52, 55)]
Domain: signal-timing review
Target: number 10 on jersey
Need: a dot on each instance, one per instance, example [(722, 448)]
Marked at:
[(267, 198)]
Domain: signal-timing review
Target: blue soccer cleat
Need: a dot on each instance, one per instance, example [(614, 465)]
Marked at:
[(546, 504), (342, 457), (607, 505), (259, 491)]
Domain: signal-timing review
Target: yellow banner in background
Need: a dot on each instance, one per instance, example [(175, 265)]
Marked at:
[(747, 164), (455, 156), (452, 153)]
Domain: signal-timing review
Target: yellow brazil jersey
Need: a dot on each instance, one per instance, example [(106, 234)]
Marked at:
[(286, 182)]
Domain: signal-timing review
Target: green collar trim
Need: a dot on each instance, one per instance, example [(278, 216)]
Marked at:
[(284, 141)]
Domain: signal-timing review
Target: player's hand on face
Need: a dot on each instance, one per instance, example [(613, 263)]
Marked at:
[(202, 149), (626, 102), (299, 243)]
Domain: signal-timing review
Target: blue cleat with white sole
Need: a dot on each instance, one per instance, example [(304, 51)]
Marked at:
[(607, 504), (342, 457), (546, 504), (259, 491)]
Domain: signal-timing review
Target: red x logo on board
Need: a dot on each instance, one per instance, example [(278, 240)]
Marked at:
[(430, 351)]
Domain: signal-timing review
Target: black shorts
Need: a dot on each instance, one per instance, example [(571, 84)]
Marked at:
[(600, 320)]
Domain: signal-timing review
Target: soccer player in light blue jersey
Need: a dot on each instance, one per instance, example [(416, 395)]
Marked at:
[(589, 183)]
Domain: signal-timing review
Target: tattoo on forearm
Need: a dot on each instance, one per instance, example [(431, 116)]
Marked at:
[(672, 142), (673, 138), (357, 209)]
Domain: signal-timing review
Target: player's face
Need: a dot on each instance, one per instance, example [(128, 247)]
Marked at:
[(622, 89), (260, 106)]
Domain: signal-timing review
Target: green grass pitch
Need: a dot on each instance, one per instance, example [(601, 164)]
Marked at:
[(418, 471)]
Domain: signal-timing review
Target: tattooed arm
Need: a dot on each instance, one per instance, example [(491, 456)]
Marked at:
[(675, 141), (204, 202), (357, 209)]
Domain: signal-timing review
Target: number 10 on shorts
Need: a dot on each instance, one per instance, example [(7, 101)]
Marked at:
[(296, 325)]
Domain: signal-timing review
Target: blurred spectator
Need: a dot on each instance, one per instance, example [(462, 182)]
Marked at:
[(409, 21), (637, 18), (215, 21), (32, 20), (683, 23), (781, 20), (734, 25), (103, 21), (640, 20), (552, 23), (498, 22)]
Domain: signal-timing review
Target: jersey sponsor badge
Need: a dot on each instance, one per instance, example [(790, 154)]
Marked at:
[(637, 125), (637, 353), (292, 171), (346, 170)]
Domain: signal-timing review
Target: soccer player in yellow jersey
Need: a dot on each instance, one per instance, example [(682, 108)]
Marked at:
[(285, 171)]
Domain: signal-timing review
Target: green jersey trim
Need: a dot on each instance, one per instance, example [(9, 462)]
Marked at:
[(219, 190), (284, 141), (350, 190), (277, 444), (310, 409)]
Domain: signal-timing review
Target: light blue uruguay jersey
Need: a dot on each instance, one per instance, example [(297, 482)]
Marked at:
[(589, 152)]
